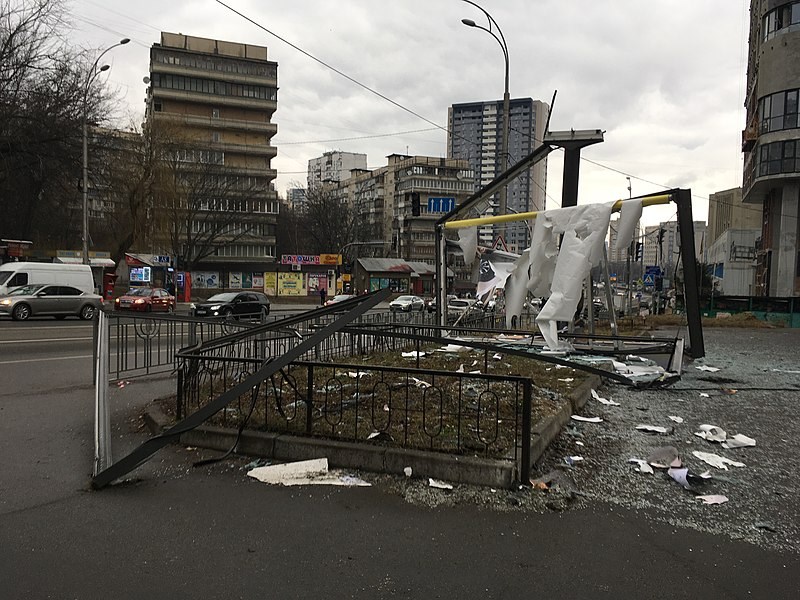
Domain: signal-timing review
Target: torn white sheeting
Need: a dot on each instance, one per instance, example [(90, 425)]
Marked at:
[(492, 274), (680, 475), (785, 371), (516, 289), (586, 419), (707, 368), (652, 428), (407, 471), (739, 441), (452, 348), (412, 354), (643, 466), (712, 433), (304, 472), (475, 362), (497, 357), (358, 375), (675, 418), (704, 395), (559, 273), (602, 400), (713, 499), (419, 383), (468, 242), (629, 216), (460, 369), (715, 460), (567, 380), (441, 485)]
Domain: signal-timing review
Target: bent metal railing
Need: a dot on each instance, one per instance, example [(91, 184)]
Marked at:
[(402, 407)]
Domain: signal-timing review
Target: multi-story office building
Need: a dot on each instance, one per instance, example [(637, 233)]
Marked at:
[(475, 134), (296, 198), (771, 143), (383, 202), (214, 101), (334, 167)]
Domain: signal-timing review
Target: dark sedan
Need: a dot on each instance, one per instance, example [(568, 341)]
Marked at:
[(250, 305)]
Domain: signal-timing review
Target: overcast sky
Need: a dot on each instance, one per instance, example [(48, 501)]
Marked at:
[(663, 78)]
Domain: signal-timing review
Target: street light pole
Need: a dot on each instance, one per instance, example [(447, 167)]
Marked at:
[(93, 72), (506, 97)]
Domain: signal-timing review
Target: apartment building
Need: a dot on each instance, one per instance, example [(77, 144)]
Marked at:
[(214, 100), (383, 202), (727, 211), (771, 143), (333, 167), (662, 246), (475, 134)]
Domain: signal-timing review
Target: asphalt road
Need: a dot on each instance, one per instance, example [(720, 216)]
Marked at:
[(211, 532)]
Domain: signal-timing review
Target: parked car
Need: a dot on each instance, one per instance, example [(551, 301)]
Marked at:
[(431, 302), (144, 299), (339, 298), (407, 304), (59, 301), (233, 305), (457, 306)]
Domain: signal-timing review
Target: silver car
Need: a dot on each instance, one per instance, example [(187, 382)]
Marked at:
[(407, 304), (59, 301)]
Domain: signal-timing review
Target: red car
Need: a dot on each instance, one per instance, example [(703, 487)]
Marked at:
[(146, 299)]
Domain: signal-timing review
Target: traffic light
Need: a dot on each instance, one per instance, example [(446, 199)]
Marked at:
[(415, 204), (639, 247)]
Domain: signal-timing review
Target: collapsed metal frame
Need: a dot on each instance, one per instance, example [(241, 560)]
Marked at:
[(572, 141)]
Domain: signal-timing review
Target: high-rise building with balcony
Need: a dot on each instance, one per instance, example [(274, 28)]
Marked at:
[(475, 134), (771, 143), (213, 101)]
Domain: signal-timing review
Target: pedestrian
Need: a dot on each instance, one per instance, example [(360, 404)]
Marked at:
[(322, 295)]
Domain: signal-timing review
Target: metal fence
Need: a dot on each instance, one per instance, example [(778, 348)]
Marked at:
[(404, 407)]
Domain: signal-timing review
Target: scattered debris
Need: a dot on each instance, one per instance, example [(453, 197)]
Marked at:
[(785, 371), (652, 428), (460, 369), (259, 462), (644, 467), (412, 354), (497, 356), (707, 368), (765, 526), (419, 383), (728, 391), (571, 460), (304, 472), (664, 457), (704, 395), (579, 443), (739, 441), (358, 375), (380, 436), (680, 476), (451, 348), (122, 384), (554, 479), (715, 460), (602, 400), (438, 484), (711, 433), (676, 419), (713, 499), (567, 380), (586, 419), (408, 471)]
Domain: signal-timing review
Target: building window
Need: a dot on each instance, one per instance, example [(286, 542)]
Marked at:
[(215, 113), (778, 157), (157, 107), (783, 19), (778, 111)]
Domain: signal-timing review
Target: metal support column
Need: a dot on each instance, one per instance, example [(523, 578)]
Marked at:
[(691, 282)]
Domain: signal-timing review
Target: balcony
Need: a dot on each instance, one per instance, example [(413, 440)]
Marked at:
[(193, 97), (215, 123)]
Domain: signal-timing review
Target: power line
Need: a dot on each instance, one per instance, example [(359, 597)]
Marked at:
[(361, 137)]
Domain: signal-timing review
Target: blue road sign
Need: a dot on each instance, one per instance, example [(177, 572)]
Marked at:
[(441, 205), (649, 279), (654, 269)]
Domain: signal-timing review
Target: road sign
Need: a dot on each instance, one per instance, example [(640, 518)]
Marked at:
[(441, 205), (649, 279), (654, 269)]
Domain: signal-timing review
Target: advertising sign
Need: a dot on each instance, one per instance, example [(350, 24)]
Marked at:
[(299, 259), (291, 284), (236, 281), (317, 281), (205, 280), (330, 259), (141, 275), (269, 282)]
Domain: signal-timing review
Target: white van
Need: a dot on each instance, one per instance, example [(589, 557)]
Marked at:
[(15, 274)]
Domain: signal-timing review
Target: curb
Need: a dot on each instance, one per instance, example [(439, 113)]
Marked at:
[(348, 455)]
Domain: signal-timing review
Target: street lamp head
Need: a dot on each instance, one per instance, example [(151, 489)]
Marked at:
[(104, 68), (469, 22), (124, 41)]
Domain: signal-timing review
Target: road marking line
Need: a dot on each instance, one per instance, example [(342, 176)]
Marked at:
[(29, 360), (82, 339)]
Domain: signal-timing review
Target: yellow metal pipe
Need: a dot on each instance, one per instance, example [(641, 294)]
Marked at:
[(648, 201)]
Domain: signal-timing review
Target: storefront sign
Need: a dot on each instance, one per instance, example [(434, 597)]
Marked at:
[(299, 259), (270, 284), (291, 284)]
